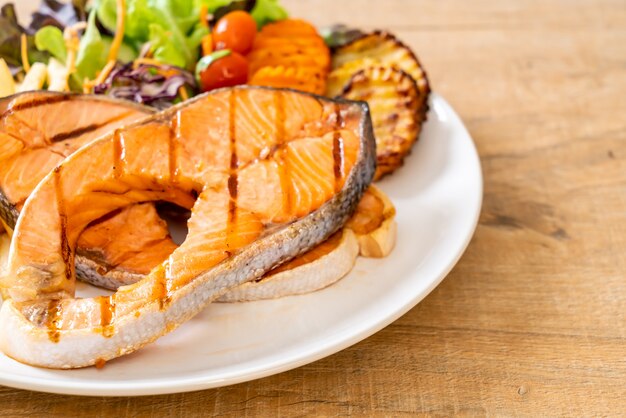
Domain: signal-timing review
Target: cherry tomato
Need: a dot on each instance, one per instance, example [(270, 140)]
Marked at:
[(223, 68), (235, 31)]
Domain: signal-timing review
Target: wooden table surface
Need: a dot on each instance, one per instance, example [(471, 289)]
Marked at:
[(532, 321)]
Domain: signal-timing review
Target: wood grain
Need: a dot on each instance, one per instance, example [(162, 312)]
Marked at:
[(532, 321)]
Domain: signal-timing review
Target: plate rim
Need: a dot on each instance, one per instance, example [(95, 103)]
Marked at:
[(331, 346)]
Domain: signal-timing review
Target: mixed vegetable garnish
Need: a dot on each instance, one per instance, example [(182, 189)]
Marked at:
[(155, 52)]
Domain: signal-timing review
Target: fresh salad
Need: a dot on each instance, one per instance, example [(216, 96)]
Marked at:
[(155, 52)]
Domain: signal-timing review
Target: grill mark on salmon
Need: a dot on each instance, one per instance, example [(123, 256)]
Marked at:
[(173, 149), (66, 252), (279, 148), (162, 288), (107, 313), (53, 318), (263, 233), (87, 129), (25, 118), (338, 149), (57, 98), (233, 180)]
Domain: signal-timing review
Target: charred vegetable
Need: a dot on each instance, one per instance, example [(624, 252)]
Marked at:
[(382, 48), (290, 53), (381, 70), (394, 101)]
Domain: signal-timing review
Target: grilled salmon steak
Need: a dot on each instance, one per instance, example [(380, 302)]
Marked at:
[(268, 175), (370, 232), (37, 131)]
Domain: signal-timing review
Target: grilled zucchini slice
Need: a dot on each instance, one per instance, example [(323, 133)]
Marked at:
[(397, 111)]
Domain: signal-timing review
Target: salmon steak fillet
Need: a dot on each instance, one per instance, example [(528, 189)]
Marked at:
[(40, 129), (267, 173)]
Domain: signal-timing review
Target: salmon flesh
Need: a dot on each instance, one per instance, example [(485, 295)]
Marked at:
[(40, 129), (268, 175)]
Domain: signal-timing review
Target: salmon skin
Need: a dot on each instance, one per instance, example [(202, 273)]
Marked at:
[(37, 131), (276, 172)]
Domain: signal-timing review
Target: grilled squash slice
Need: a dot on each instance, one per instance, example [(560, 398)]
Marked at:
[(381, 70), (396, 108), (290, 53), (379, 48), (290, 77)]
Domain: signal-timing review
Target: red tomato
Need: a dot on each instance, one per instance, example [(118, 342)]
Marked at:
[(235, 31), (230, 70)]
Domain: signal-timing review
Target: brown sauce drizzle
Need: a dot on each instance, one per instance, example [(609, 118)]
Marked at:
[(107, 313), (119, 154), (173, 147), (233, 180), (162, 291), (100, 363), (281, 152), (66, 251), (53, 319), (338, 150)]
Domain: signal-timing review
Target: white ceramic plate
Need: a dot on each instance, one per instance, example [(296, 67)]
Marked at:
[(437, 194)]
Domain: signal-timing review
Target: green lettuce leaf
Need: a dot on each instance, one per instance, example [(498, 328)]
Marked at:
[(267, 11), (92, 51), (164, 48), (177, 20), (50, 39)]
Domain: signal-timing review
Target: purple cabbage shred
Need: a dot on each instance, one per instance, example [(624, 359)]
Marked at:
[(144, 85)]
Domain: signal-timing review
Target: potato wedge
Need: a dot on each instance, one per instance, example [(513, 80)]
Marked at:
[(397, 109)]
